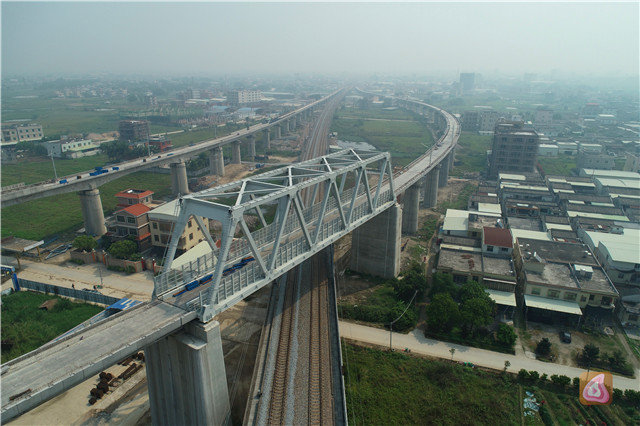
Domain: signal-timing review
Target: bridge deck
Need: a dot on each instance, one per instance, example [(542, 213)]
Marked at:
[(53, 368)]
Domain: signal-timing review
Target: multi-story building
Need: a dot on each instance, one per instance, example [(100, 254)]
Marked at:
[(241, 97), (514, 149), (21, 132), (133, 130), (132, 221), (617, 250), (131, 196), (561, 280), (467, 81), (71, 148), (162, 220)]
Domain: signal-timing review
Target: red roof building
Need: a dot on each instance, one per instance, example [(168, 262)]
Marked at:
[(497, 240), (133, 221), (130, 197)]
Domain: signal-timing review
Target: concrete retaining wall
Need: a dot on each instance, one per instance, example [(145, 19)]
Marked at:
[(128, 265)]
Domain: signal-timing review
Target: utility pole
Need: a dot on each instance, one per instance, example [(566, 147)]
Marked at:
[(55, 173)]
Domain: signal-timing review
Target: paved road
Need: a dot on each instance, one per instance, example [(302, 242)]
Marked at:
[(117, 284), (417, 343)]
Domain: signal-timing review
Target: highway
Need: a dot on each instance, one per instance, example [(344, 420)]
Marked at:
[(83, 181)]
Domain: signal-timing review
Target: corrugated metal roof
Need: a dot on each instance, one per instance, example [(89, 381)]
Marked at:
[(552, 304), (502, 297)]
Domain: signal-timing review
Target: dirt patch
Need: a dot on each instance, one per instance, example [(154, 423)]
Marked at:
[(453, 189), (355, 289)]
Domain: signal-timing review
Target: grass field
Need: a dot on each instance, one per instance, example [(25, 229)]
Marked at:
[(560, 165), (471, 154), (29, 327), (48, 216), (385, 388), (461, 201), (404, 139), (40, 169)]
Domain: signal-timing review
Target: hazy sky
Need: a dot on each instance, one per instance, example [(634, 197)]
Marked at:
[(325, 37)]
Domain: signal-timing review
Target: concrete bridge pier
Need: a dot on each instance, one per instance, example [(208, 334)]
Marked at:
[(186, 377), (216, 161), (278, 132), (252, 148), (444, 172), (235, 152), (375, 246), (179, 182), (287, 127), (410, 209), (431, 188), (268, 139), (92, 212)]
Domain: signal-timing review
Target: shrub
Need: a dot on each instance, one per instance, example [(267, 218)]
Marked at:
[(122, 249), (562, 380), (546, 417), (506, 336), (544, 347), (589, 354), (130, 269), (77, 261), (523, 375), (534, 376), (632, 396), (576, 382), (85, 242), (617, 394), (544, 377)]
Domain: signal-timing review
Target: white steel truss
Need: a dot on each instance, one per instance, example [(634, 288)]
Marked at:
[(270, 223)]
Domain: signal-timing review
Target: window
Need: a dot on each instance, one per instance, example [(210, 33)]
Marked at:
[(583, 298), (570, 296), (553, 294), (189, 223), (130, 201), (620, 275), (155, 225), (605, 301), (120, 218), (155, 238), (490, 248), (131, 220), (535, 291), (591, 297), (633, 317), (504, 249), (190, 236)]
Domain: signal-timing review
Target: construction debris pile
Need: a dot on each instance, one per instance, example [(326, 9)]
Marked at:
[(108, 381)]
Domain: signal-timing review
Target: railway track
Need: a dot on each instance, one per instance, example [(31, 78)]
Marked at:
[(277, 406)]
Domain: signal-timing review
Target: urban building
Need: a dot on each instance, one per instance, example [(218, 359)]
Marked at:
[(467, 82), (71, 148), (241, 97), (21, 132), (131, 196), (162, 220), (160, 142), (132, 221), (481, 119), (514, 149), (561, 280), (133, 130), (617, 250)]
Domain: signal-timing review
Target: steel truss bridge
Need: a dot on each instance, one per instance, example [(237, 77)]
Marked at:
[(348, 188)]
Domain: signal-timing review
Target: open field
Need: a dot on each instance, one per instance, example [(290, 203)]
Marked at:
[(471, 154), (560, 165), (29, 327), (394, 388), (39, 169), (41, 218), (404, 139)]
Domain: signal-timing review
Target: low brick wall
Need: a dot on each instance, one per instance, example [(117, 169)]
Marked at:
[(110, 261)]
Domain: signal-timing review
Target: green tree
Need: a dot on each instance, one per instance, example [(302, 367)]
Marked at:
[(589, 354), (476, 312), (443, 283), (506, 336), (123, 249), (442, 313), (407, 321), (534, 375), (543, 348), (616, 359), (85, 242)]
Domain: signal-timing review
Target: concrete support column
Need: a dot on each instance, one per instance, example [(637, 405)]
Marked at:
[(288, 129), (186, 377), (213, 162), (92, 212), (220, 157), (278, 132), (235, 152), (410, 208), (268, 139), (431, 188), (179, 182), (252, 149), (444, 172), (375, 246)]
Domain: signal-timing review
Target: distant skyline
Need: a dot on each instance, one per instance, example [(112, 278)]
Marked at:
[(219, 38)]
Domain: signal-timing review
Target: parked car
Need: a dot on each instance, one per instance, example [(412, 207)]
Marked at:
[(565, 337)]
